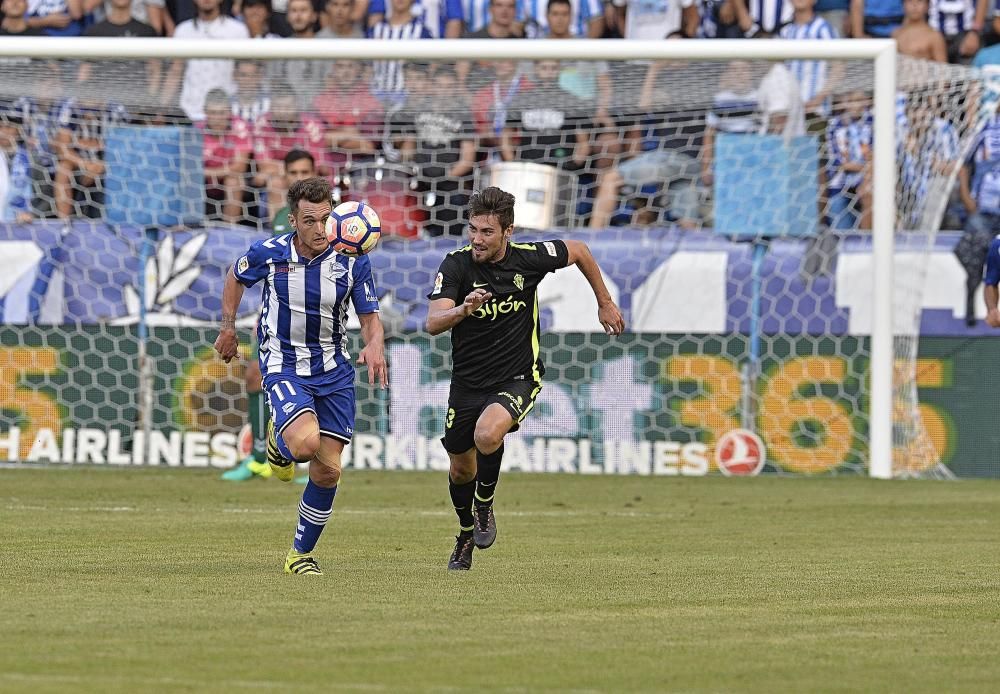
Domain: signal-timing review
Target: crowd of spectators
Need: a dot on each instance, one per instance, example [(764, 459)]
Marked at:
[(640, 151)]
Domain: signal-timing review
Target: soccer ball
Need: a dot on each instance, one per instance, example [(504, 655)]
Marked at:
[(353, 228)]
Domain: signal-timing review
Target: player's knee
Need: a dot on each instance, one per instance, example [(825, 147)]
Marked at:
[(306, 447), (323, 474), (463, 468), (488, 438)]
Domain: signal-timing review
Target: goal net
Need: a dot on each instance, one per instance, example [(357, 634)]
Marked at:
[(728, 201)]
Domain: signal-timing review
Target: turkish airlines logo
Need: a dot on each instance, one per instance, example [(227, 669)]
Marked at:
[(740, 453)]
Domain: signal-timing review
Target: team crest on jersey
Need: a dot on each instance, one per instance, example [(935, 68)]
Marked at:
[(519, 281), (242, 265), (438, 283), (336, 270)]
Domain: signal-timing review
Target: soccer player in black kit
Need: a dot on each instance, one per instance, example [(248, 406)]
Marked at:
[(486, 294)]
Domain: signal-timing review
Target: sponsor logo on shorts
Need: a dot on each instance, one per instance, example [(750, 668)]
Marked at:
[(516, 401), (451, 418), (288, 407)]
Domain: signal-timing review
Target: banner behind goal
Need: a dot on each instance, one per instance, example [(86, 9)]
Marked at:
[(729, 203)]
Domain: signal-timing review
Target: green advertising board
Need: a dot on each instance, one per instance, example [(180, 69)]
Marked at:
[(640, 403)]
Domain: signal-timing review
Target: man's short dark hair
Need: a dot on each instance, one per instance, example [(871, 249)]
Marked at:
[(217, 97), (252, 3), (314, 190), (558, 2), (445, 70), (493, 201), (295, 155)]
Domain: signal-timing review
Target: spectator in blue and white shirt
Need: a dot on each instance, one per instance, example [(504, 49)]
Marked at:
[(586, 18), (443, 18), (767, 16), (816, 77), (57, 17), (849, 142), (960, 21), (388, 81), (15, 170), (980, 191), (657, 19)]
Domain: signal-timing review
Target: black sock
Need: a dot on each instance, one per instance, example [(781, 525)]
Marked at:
[(487, 474), (461, 499)]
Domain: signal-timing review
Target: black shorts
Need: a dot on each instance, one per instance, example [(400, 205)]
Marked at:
[(465, 405)]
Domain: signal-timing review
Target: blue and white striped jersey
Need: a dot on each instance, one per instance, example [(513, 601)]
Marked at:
[(435, 14), (811, 74), (303, 316), (986, 174), (770, 15), (951, 17), (847, 141), (387, 75), (581, 12)]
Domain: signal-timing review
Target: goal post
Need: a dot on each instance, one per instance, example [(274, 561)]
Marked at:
[(882, 400)]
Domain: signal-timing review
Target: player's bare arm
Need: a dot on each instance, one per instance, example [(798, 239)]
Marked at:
[(991, 295), (373, 354), (227, 344), (608, 312), (444, 315)]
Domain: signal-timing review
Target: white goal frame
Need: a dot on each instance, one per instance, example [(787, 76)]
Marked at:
[(881, 52)]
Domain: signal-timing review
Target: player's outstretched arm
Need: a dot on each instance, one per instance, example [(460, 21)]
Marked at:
[(373, 353), (444, 315), (607, 311), (227, 344)]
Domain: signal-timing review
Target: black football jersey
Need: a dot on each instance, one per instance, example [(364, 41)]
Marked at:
[(498, 342)]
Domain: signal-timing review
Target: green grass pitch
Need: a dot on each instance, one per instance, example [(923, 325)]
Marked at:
[(170, 580)]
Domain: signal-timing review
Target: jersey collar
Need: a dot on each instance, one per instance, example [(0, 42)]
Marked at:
[(296, 258), (506, 255)]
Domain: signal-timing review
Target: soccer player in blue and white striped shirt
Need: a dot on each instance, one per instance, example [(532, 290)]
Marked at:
[(308, 374)]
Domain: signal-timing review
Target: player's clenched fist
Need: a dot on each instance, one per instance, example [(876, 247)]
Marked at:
[(226, 344), (475, 299), (611, 318)]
